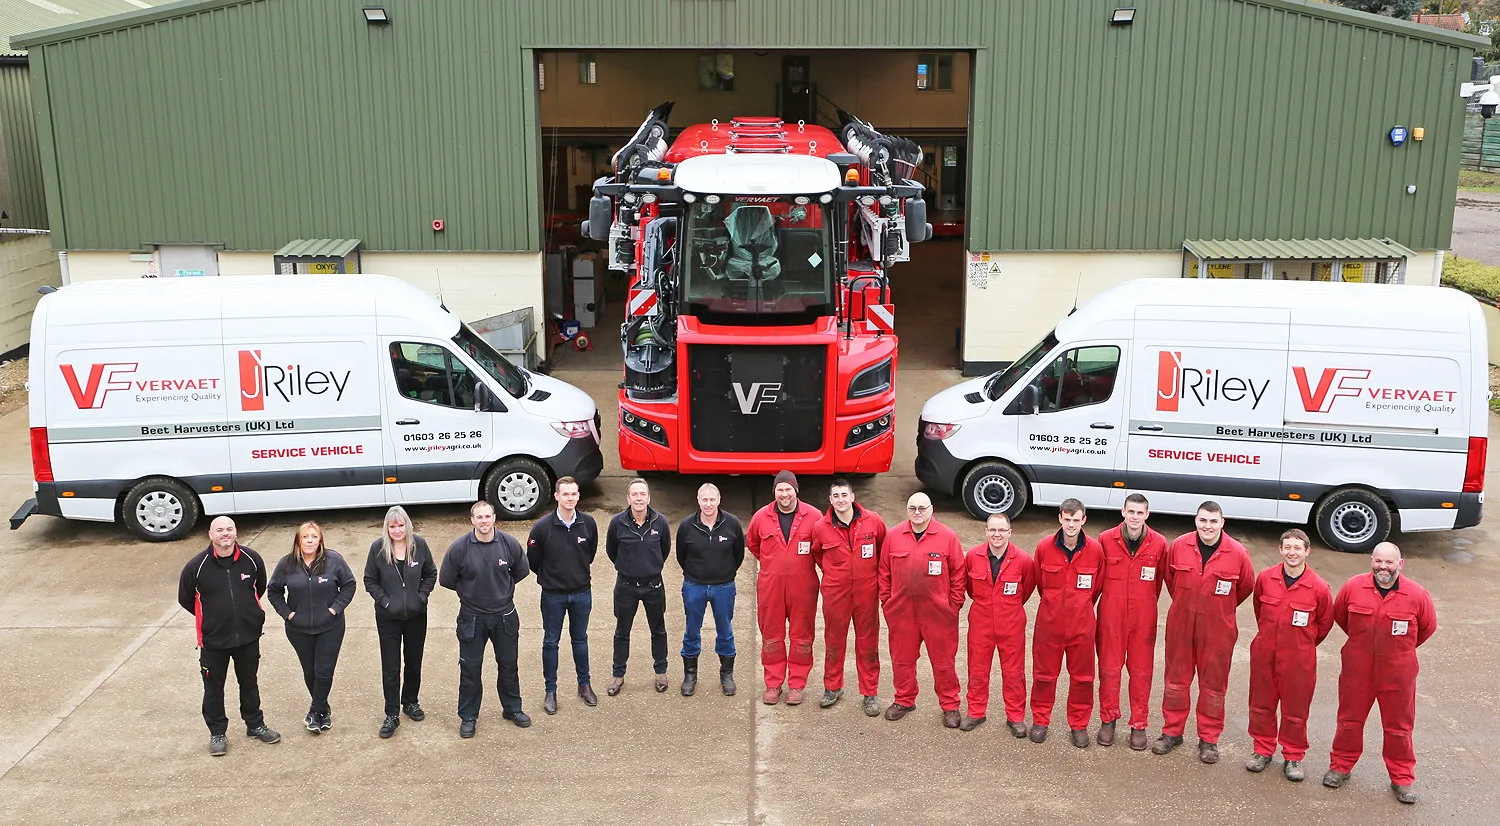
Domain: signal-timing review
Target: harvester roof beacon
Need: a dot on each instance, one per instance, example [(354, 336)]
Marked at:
[(759, 328)]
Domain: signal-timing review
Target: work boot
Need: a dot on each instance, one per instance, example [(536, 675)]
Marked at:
[(951, 719), (1138, 739), (614, 686), (1165, 744), (1257, 762), (660, 685), (549, 703), (1404, 793), (388, 728), (1017, 730), (872, 705), (264, 734), (1334, 780), (794, 697), (520, 718), (726, 675), (971, 723), (466, 728), (586, 693), (1038, 734), (414, 712), (1107, 734), (897, 711), (689, 676), (771, 696), (1208, 752), (1080, 738), (1293, 771), (218, 745), (830, 697)]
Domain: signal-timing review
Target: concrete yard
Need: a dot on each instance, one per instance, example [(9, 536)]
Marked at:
[(99, 691)]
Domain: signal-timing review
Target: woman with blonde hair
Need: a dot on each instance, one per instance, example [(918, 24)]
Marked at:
[(400, 576), (310, 589)]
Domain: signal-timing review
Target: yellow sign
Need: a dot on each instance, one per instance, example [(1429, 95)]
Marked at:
[(1192, 268), (320, 268), (1354, 272), (1323, 271), (1220, 270)]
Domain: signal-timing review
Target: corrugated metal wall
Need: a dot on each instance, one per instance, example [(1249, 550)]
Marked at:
[(255, 123), (28, 203)]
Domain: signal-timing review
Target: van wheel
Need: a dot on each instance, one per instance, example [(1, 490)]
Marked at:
[(1353, 520), (161, 510), (995, 488), (518, 489)]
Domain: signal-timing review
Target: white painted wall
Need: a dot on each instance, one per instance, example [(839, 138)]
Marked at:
[(26, 263)]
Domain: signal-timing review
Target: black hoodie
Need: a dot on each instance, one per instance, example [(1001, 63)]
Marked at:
[(401, 589), (310, 594)]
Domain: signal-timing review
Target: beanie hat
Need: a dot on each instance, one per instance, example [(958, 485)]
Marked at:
[(789, 477)]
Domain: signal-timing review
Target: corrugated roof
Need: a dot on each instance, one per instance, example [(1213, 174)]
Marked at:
[(22, 16), (320, 247), (1319, 249)]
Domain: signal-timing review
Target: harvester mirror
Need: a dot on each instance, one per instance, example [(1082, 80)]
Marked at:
[(601, 215), (916, 220)]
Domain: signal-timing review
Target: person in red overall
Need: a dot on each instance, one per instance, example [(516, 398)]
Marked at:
[(1001, 577), (1133, 555), (780, 537), (1208, 575), (1070, 573), (846, 548), (1294, 611), (922, 589), (1387, 617)]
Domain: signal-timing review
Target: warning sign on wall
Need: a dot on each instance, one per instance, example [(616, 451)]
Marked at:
[(982, 268)]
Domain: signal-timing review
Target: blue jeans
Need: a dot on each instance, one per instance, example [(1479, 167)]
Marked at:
[(577, 607), (695, 598)]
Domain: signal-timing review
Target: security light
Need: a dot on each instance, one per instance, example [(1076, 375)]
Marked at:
[(1122, 17), (376, 15)]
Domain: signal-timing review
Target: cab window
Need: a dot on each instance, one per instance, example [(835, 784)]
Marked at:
[(429, 373), (1078, 377)]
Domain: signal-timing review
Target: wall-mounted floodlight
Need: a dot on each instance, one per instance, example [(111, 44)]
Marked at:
[(1122, 17), (377, 15)]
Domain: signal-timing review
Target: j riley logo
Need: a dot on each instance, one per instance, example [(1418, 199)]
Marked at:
[(1176, 383), (259, 380), (756, 396)]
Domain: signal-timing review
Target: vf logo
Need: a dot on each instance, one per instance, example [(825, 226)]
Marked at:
[(103, 378), (756, 395)]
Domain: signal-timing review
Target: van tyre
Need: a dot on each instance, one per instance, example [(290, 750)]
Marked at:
[(1353, 520), (995, 488), (519, 489), (161, 510)]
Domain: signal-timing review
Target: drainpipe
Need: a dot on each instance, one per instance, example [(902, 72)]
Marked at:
[(1438, 282), (62, 263)]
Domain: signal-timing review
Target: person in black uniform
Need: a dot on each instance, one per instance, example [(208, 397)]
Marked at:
[(221, 587), (399, 577), (710, 549), (483, 566), (310, 589), (638, 542), (560, 549)]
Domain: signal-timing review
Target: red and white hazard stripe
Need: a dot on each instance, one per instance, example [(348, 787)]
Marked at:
[(641, 302), (881, 318)]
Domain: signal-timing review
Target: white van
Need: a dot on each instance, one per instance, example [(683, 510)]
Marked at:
[(158, 401), (1342, 404)]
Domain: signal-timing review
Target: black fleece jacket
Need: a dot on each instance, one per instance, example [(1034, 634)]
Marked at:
[(638, 551), (223, 595), (401, 589), (312, 601), (711, 557), (560, 555)]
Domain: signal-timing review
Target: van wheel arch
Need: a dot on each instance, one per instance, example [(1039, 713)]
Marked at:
[(991, 486), (518, 487), (160, 509), (1354, 519)]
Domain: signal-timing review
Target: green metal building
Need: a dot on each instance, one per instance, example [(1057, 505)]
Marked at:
[(1097, 149)]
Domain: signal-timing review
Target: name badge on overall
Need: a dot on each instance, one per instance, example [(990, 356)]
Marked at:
[(1299, 619), (804, 548), (867, 551), (934, 567), (1398, 628), (1085, 581), (1223, 587), (1011, 588), (1148, 575)]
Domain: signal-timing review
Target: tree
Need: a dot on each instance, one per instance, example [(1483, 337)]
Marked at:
[(1391, 8)]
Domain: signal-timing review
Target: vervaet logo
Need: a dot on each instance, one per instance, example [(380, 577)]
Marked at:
[(756, 396), (102, 379)]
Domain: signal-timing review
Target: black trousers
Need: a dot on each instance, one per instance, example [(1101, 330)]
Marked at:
[(319, 655), (214, 665), (629, 593), (503, 631), (395, 635)]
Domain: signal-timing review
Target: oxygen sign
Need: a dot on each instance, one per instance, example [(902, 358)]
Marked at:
[(259, 381)]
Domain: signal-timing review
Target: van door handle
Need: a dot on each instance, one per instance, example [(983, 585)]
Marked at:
[(419, 421), (1102, 426), (1152, 427)]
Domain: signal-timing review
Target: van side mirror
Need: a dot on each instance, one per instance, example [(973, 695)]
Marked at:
[(601, 215), (1030, 399), (917, 229), (485, 400)]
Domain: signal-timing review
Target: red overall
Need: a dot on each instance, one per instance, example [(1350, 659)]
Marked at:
[(1127, 621), (1292, 622), (997, 624), (1380, 665), (848, 557), (1202, 630), (1065, 624), (922, 590), (786, 593)]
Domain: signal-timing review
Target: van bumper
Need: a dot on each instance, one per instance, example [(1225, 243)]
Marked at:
[(936, 467), (1470, 510), (581, 459), (27, 508)]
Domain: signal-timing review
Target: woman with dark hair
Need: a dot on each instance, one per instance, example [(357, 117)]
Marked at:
[(310, 589), (400, 576)]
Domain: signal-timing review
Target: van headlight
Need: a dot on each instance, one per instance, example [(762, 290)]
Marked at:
[(938, 431), (573, 430)]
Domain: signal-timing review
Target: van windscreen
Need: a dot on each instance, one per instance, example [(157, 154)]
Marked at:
[(1003, 380), (510, 377)]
